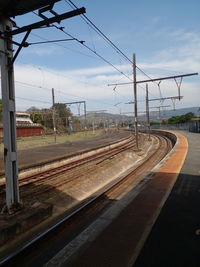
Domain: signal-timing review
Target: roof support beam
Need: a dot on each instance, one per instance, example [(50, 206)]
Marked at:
[(46, 22)]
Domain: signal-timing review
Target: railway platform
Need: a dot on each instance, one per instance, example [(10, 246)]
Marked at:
[(161, 224), (175, 237)]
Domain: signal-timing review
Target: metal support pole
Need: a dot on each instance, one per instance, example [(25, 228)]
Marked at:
[(159, 114), (135, 101), (79, 109), (147, 112), (53, 114), (93, 129), (104, 122), (85, 127), (9, 120)]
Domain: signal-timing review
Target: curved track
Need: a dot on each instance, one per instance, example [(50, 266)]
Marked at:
[(113, 190), (60, 175)]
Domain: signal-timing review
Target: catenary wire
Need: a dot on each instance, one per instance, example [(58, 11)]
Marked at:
[(88, 21)]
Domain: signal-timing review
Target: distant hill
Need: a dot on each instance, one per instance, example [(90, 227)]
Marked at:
[(178, 112), (107, 118), (116, 118)]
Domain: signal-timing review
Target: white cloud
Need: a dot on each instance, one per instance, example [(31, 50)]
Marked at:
[(91, 83), (68, 86), (185, 45), (79, 85)]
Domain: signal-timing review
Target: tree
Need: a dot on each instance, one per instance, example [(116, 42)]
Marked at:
[(47, 119), (181, 119), (35, 114), (189, 116), (36, 117), (32, 109), (63, 114)]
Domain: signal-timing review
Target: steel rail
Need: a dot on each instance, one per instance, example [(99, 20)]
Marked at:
[(73, 177), (51, 173), (88, 202)]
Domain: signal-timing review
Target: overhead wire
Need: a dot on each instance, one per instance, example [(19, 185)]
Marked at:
[(73, 50), (62, 75), (83, 82), (89, 48), (88, 21), (64, 93), (93, 51), (91, 24), (32, 100)]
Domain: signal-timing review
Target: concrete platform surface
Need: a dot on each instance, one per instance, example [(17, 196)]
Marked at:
[(160, 226), (175, 237)]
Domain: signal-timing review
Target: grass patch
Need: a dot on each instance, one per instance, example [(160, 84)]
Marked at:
[(45, 140)]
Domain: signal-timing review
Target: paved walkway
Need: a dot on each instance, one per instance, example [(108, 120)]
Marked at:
[(175, 238)]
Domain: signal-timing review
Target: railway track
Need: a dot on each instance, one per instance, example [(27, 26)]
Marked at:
[(114, 190), (56, 176)]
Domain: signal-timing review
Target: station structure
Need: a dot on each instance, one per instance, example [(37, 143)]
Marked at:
[(7, 11)]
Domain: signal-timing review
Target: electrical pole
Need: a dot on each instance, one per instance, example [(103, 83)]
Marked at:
[(93, 126), (53, 114), (159, 113), (94, 113), (172, 98), (79, 109), (147, 112), (85, 116), (9, 118), (79, 103), (135, 101), (7, 60)]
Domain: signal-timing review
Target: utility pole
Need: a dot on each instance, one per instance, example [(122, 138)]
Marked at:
[(53, 114), (147, 112), (116, 105), (135, 82), (135, 101), (7, 60), (93, 126), (94, 113), (159, 113), (79, 103), (9, 118), (85, 127), (79, 109), (172, 98)]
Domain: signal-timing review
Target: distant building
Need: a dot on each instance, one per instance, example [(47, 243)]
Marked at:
[(24, 126), (23, 118)]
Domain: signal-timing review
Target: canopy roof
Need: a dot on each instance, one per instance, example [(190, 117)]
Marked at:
[(12, 8)]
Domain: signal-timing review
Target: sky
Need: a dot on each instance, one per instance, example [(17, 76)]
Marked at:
[(164, 35)]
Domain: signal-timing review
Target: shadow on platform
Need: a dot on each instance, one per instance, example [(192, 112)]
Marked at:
[(175, 237), (36, 215)]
